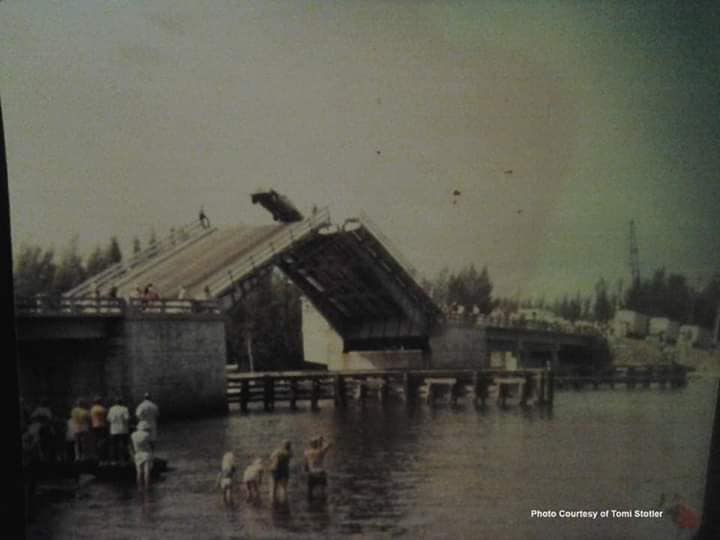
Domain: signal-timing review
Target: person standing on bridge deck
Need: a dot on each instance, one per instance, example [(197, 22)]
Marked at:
[(314, 466), (202, 217), (148, 412), (280, 472)]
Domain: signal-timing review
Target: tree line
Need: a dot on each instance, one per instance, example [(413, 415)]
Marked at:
[(40, 270), (663, 294)]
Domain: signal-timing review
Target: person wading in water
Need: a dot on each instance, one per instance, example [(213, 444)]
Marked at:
[(280, 472), (314, 467)]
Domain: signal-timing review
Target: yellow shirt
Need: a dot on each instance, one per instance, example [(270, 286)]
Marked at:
[(80, 418), (98, 416)]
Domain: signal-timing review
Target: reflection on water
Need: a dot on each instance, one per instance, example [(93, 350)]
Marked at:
[(449, 472)]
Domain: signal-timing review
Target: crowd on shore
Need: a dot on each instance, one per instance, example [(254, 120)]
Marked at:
[(93, 432), (101, 435)]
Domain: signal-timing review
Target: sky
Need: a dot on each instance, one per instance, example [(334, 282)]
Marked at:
[(558, 122)]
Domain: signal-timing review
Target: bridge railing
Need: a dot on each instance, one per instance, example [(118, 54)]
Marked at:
[(415, 277), (171, 306), (112, 274), (91, 305), (52, 305), (265, 253)]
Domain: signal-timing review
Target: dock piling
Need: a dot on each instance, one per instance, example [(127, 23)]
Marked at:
[(550, 378), (269, 393), (340, 391), (315, 395), (244, 395), (293, 394)]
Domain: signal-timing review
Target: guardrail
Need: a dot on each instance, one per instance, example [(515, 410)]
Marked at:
[(394, 252), (63, 306), (180, 237), (266, 252), (415, 277)]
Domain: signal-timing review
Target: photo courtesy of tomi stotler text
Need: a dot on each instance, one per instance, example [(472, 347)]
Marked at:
[(305, 269)]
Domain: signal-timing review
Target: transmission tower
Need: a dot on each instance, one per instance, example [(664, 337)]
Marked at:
[(634, 259)]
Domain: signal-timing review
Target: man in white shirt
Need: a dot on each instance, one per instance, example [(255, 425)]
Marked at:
[(119, 417), (147, 411)]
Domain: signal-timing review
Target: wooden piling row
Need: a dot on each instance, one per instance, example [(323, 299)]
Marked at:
[(630, 376), (450, 386)]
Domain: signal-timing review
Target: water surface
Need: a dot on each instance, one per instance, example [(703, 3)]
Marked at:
[(435, 473)]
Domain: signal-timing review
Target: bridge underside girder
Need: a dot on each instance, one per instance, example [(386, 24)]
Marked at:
[(360, 289)]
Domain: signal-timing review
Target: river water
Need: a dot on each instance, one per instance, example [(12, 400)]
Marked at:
[(434, 473)]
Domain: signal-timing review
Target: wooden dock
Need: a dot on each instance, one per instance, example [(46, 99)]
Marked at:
[(628, 376), (432, 386)]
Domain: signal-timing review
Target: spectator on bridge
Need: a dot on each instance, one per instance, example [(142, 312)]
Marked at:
[(142, 449), (204, 221), (119, 417), (280, 472), (98, 421), (314, 467), (182, 292), (148, 412), (80, 417), (150, 293)]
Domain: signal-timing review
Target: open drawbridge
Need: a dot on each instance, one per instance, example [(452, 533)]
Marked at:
[(350, 273)]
